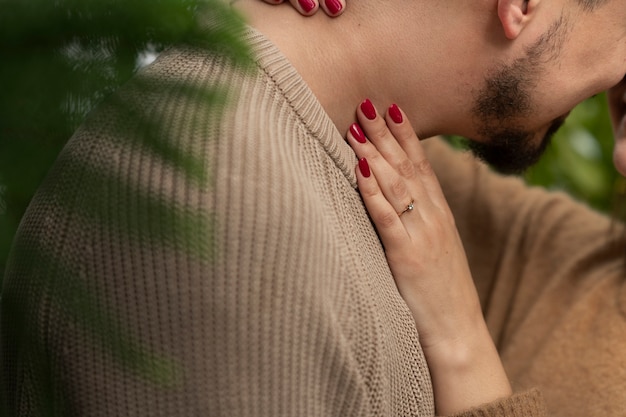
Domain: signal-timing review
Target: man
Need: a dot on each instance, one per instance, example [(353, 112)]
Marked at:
[(265, 290), (514, 69)]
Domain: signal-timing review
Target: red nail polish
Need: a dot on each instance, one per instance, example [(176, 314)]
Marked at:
[(368, 109), (307, 5), (395, 113), (333, 6), (364, 167), (358, 134)]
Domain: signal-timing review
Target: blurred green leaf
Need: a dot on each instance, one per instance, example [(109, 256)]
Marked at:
[(59, 59), (579, 160)]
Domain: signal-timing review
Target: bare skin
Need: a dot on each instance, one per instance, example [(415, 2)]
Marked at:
[(475, 83), (393, 172)]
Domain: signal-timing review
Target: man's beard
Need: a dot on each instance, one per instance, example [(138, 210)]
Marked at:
[(504, 103), (512, 151)]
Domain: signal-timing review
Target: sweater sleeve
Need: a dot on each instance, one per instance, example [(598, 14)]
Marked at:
[(550, 275), (521, 241), (491, 213), (524, 404)]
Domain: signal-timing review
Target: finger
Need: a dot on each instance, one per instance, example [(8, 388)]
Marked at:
[(333, 8), (404, 134), (273, 1), (305, 7), (399, 192), (395, 139), (390, 228), (377, 131), (394, 187)]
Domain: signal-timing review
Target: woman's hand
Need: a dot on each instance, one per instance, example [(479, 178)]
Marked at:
[(427, 259), (332, 8), (416, 226)]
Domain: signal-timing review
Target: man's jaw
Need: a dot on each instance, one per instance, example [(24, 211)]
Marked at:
[(512, 151)]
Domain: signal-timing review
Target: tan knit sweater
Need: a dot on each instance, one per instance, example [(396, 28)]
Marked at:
[(183, 262), (551, 275)]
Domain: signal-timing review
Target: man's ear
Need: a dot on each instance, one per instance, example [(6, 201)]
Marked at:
[(514, 15)]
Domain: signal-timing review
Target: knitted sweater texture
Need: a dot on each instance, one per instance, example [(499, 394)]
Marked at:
[(183, 261), (551, 275)]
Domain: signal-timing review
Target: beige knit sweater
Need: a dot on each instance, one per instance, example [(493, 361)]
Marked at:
[(551, 275), (184, 262)]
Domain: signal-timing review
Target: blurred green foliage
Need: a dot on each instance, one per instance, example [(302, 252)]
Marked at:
[(59, 58), (579, 159)]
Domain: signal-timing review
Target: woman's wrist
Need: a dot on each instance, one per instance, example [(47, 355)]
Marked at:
[(466, 372)]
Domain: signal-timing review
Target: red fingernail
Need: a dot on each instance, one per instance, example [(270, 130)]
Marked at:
[(368, 109), (358, 134), (364, 167), (395, 113), (333, 6), (307, 5)]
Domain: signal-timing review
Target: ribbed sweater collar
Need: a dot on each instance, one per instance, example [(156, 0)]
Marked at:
[(278, 68)]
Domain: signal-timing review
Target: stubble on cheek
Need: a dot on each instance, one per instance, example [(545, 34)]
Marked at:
[(499, 106), (503, 98)]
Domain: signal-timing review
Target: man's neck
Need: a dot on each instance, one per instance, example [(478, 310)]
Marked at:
[(315, 46), (348, 59)]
